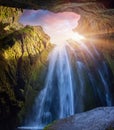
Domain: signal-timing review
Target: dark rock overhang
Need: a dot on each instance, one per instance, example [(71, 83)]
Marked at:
[(49, 4)]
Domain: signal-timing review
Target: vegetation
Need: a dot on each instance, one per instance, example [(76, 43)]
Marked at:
[(23, 57)]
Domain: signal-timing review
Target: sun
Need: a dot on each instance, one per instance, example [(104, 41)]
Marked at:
[(76, 36), (62, 37)]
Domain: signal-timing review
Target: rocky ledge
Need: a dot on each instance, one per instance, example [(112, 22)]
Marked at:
[(101, 118)]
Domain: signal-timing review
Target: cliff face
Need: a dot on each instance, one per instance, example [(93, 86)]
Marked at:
[(23, 57)]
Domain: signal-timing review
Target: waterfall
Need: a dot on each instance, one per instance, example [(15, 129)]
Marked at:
[(56, 100), (77, 80)]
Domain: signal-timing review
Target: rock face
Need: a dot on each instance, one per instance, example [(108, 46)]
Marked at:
[(48, 4), (23, 58), (96, 119)]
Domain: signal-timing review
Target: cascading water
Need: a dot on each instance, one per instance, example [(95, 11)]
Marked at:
[(78, 76), (56, 100), (72, 84)]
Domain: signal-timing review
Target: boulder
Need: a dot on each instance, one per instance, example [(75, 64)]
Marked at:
[(101, 118)]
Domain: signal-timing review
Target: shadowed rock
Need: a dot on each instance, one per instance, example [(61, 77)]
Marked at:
[(47, 4)]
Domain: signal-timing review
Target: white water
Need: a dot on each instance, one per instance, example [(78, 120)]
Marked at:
[(59, 69), (70, 88)]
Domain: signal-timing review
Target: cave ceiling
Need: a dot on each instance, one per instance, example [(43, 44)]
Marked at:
[(50, 4), (83, 7)]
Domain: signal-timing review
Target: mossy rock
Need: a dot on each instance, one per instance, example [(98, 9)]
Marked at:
[(23, 52)]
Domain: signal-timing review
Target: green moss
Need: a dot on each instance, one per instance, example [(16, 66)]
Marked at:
[(23, 60), (49, 125), (8, 14)]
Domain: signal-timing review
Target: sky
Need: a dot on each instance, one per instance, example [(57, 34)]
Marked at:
[(58, 26)]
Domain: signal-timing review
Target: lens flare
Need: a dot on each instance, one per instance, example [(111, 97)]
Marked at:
[(60, 37), (77, 36)]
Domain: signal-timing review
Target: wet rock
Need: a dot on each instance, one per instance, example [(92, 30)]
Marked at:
[(97, 119)]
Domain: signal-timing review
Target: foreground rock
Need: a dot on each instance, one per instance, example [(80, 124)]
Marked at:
[(97, 119)]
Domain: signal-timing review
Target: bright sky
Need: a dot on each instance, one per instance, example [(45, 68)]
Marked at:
[(57, 25)]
